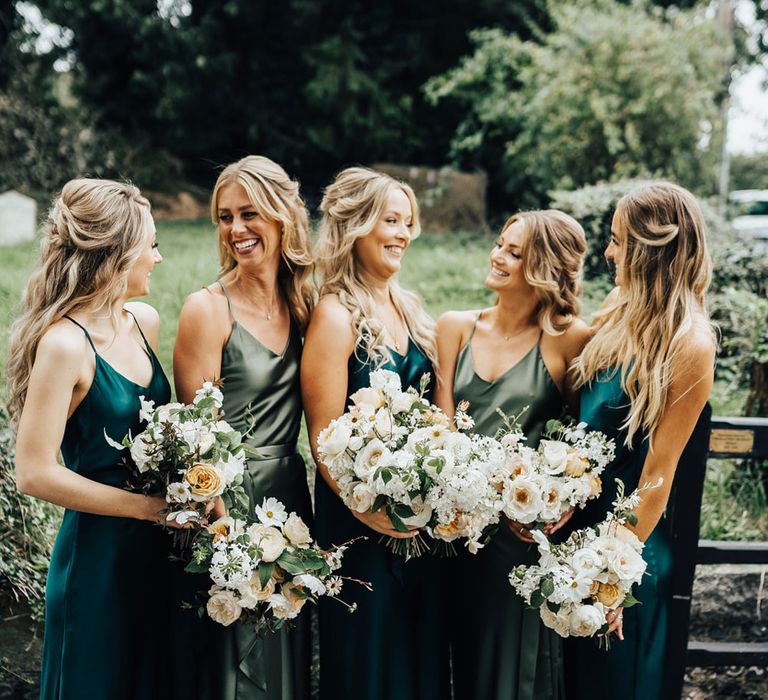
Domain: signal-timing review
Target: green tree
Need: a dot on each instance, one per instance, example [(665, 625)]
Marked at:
[(615, 91)]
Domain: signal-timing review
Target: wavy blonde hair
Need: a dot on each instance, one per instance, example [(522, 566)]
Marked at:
[(552, 250), (666, 273), (351, 207), (94, 233), (276, 197)]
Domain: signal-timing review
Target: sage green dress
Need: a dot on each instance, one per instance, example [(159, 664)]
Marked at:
[(395, 646), (500, 648), (261, 389), (107, 594), (632, 669)]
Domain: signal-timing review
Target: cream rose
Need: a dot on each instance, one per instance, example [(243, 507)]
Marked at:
[(333, 441), (555, 455), (609, 594), (251, 594), (224, 608), (369, 458), (271, 543), (204, 481), (362, 497), (368, 396), (296, 530), (576, 465), (585, 620)]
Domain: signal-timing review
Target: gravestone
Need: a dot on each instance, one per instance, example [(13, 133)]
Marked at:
[(18, 218)]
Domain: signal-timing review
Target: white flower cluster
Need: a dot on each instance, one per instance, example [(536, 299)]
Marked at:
[(394, 450), (267, 570), (541, 484), (577, 582), (187, 453)]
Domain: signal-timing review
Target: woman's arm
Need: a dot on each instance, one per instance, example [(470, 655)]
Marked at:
[(204, 327), (328, 345), (449, 337), (61, 366), (693, 375)]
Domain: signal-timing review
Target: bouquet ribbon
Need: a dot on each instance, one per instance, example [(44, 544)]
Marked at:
[(250, 656)]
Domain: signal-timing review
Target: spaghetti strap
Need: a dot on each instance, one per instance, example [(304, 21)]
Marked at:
[(226, 296), (82, 328), (474, 325), (136, 321)]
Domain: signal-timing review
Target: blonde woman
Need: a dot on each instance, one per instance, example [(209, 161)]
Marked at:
[(512, 356), (395, 646), (245, 329), (645, 377), (80, 358)]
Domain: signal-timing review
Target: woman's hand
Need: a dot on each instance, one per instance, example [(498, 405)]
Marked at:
[(552, 528), (380, 522), (215, 509), (615, 620), (522, 532)]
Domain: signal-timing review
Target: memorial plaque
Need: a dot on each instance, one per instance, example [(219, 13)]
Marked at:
[(736, 441)]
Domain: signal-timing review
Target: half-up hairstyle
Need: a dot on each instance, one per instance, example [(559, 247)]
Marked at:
[(351, 207), (665, 276), (552, 251), (93, 235), (275, 197)]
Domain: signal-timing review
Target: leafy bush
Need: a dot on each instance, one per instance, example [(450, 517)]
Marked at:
[(27, 529)]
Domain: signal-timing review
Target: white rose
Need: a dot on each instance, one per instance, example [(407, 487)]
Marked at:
[(385, 379), (313, 584), (383, 423), (362, 497), (333, 441), (370, 458), (553, 499), (421, 516), (271, 543), (627, 564), (459, 444), (166, 411), (586, 562), (232, 468), (296, 530), (139, 454), (585, 620), (368, 396), (224, 608), (522, 499), (402, 402), (555, 455)]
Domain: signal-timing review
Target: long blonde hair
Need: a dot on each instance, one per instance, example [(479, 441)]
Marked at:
[(94, 233), (665, 276), (552, 251), (276, 197), (351, 207)]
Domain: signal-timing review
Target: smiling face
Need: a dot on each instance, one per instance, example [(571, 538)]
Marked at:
[(506, 264), (250, 239), (380, 252), (617, 250), (138, 277)]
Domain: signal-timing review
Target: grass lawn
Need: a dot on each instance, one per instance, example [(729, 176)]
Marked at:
[(447, 270)]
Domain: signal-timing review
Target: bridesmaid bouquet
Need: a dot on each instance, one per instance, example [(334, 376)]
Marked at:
[(376, 452), (563, 472), (188, 454), (265, 571), (577, 582)]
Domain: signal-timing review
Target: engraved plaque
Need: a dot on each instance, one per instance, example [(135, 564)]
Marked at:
[(736, 441)]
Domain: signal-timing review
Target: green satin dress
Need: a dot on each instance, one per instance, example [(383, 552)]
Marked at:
[(632, 669), (500, 649), (107, 595), (395, 646), (214, 662)]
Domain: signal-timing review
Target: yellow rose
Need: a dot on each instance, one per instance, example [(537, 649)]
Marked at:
[(595, 485), (576, 465), (204, 481), (451, 529), (609, 594), (594, 588)]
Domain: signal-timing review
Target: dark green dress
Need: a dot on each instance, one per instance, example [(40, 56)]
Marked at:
[(395, 646), (231, 663), (106, 599), (500, 649), (632, 669)]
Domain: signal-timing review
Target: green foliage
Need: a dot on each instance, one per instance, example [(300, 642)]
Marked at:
[(749, 172), (27, 529), (616, 91)]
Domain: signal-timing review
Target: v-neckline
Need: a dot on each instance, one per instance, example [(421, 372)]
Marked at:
[(280, 356), (490, 382), (130, 381)]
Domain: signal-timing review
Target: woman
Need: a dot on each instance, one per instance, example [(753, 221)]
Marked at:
[(513, 356), (80, 358), (645, 377), (394, 647), (245, 330)]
